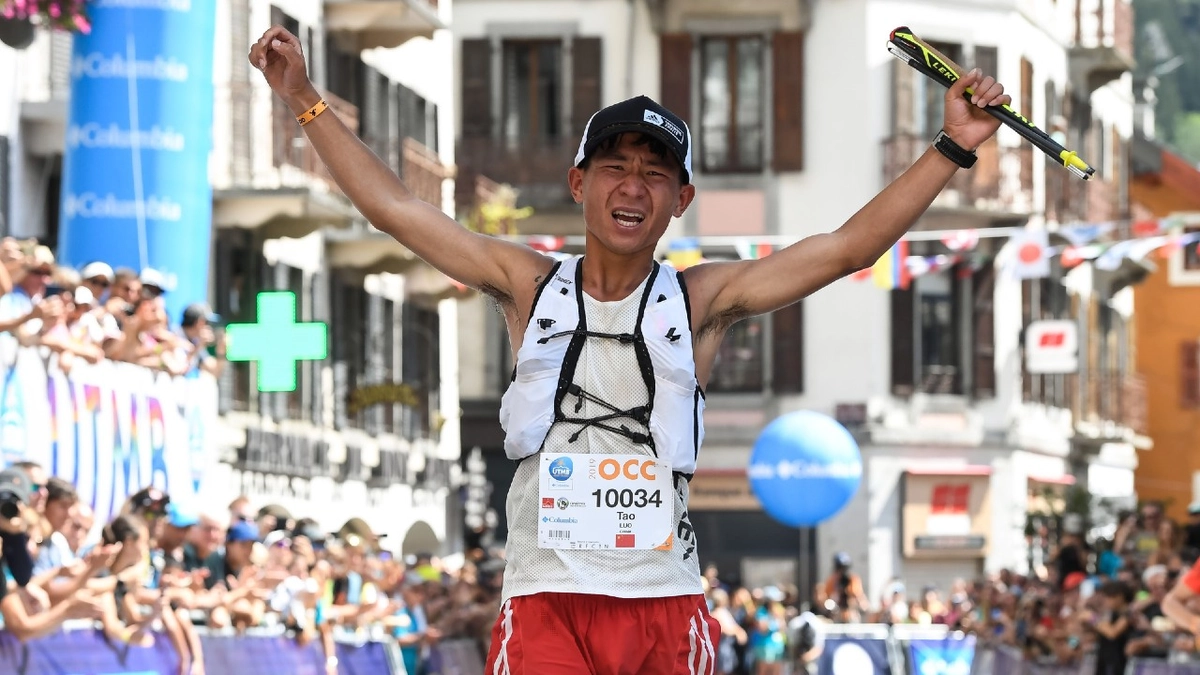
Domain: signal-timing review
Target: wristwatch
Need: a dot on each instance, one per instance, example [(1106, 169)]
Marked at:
[(953, 151)]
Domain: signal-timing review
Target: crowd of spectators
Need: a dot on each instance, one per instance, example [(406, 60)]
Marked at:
[(160, 570), (1104, 602), (98, 313)]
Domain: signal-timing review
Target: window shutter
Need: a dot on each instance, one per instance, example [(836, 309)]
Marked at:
[(984, 323), (1189, 353), (903, 351), (675, 74), (586, 56), (788, 68), (787, 340), (477, 88)]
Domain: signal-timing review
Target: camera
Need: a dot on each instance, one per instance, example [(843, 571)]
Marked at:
[(10, 502)]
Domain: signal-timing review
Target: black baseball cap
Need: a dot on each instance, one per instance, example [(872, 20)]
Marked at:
[(196, 311), (643, 115), (15, 482)]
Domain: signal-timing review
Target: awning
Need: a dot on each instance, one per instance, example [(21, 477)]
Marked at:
[(960, 470)]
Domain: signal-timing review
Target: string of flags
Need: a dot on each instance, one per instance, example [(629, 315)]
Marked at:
[(1026, 255)]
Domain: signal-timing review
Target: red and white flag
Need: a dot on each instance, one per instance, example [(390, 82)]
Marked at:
[(961, 240)]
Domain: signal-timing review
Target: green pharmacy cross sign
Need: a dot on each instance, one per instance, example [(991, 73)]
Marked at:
[(276, 342)]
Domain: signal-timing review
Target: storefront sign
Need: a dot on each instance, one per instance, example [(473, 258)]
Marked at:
[(946, 514)]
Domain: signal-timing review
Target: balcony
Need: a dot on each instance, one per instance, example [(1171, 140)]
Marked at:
[(292, 147), (367, 24), (423, 172), (998, 187), (1103, 49), (301, 195), (1113, 404), (537, 168)]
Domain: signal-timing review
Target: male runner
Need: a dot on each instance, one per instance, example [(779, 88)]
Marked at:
[(613, 351)]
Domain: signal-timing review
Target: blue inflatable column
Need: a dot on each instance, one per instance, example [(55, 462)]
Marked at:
[(135, 189)]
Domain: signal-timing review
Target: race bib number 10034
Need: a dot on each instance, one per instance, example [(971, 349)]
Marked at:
[(605, 501)]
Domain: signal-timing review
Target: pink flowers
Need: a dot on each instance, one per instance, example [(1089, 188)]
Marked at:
[(68, 15)]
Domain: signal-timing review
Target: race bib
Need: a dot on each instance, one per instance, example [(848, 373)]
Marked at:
[(605, 501)]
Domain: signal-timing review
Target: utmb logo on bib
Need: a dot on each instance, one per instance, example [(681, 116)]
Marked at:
[(561, 469)]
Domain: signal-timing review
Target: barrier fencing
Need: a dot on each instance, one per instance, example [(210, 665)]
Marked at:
[(870, 649), (87, 652)]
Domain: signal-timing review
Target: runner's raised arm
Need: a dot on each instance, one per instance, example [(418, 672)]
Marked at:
[(479, 261)]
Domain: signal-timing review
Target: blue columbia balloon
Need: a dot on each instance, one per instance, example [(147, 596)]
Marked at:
[(135, 189), (804, 468)]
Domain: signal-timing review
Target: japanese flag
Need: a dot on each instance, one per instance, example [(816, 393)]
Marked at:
[(1029, 254)]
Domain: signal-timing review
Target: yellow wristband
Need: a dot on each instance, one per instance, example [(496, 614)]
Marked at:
[(311, 114)]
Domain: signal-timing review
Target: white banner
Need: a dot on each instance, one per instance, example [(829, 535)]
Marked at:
[(109, 428)]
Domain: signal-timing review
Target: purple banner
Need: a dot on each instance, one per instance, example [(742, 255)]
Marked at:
[(1159, 667), (81, 652)]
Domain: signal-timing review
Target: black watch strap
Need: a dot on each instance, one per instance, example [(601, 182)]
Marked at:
[(953, 151)]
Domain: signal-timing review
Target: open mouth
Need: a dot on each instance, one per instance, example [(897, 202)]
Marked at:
[(628, 219)]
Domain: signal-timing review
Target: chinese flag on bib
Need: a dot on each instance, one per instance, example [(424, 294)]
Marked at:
[(624, 541)]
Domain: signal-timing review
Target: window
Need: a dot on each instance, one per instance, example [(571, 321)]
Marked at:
[(1189, 358), (933, 95), (739, 363), (1026, 101), (296, 409), (348, 324), (732, 101), (344, 72), (533, 77), (938, 338), (421, 366), (1191, 252), (943, 332), (787, 349), (237, 280)]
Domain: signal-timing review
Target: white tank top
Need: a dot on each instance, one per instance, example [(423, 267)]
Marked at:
[(609, 370)]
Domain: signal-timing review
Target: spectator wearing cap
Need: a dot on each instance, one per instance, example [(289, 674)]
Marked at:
[(239, 545), (97, 277), (154, 284), (273, 517), (196, 326), (22, 311), (28, 612), (177, 527), (1146, 613), (244, 602)]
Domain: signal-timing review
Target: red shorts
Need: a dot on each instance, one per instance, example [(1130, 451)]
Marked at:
[(576, 634)]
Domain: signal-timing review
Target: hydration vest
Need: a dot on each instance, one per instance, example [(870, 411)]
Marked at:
[(543, 392)]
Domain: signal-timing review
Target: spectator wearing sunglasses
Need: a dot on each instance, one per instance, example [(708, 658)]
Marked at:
[(98, 278)]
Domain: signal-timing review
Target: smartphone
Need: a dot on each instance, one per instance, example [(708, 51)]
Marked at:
[(52, 291)]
